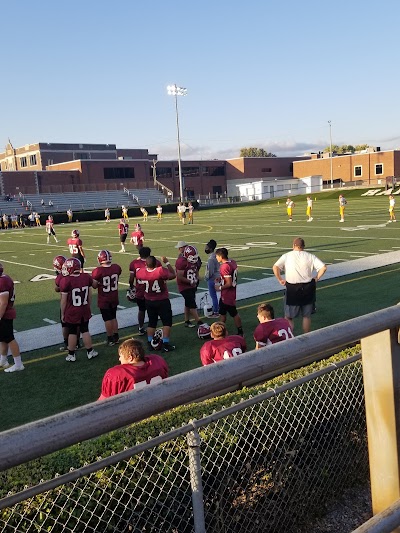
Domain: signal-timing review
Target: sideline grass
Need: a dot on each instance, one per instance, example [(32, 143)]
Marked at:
[(49, 385)]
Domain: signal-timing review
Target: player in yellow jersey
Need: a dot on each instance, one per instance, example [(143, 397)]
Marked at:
[(289, 209), (392, 203), (159, 212), (144, 213), (125, 213), (309, 209), (342, 205)]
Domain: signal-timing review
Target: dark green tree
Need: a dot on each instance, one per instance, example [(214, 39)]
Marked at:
[(255, 152)]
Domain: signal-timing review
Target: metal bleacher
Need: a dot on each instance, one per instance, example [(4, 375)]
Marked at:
[(82, 201)]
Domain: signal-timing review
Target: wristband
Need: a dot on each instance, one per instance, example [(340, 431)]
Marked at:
[(167, 264)]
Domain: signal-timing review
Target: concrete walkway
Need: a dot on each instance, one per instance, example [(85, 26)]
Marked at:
[(45, 336)]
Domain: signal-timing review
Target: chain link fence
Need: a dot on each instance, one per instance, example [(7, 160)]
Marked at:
[(260, 466)]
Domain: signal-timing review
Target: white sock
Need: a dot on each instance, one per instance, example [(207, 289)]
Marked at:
[(17, 360), (3, 359)]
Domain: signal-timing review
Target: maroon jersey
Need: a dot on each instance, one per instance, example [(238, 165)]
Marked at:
[(229, 270), (73, 245), (137, 238), (123, 228), (154, 282), (273, 331), (49, 225), (57, 281), (78, 301), (135, 265), (107, 290), (7, 285), (123, 378), (220, 349), (190, 272)]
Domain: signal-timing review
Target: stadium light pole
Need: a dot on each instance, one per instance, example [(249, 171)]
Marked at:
[(174, 90), (331, 154)]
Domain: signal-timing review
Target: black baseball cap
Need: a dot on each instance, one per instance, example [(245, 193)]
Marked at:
[(211, 244)]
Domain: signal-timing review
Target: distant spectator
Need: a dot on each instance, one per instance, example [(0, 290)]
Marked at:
[(42, 202), (51, 203)]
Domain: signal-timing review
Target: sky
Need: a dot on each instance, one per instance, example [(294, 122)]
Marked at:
[(262, 73)]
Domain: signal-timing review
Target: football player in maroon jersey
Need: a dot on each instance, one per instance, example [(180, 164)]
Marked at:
[(105, 279), (187, 278), (123, 228), (227, 286), (7, 316), (270, 329), (75, 288), (222, 346), (50, 229), (135, 371), (156, 295), (135, 265), (137, 237), (58, 262), (75, 247)]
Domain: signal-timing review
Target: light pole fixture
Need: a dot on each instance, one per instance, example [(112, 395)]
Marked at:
[(331, 154), (174, 90)]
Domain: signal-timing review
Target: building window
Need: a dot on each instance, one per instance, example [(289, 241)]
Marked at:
[(279, 188), (32, 160), (81, 155), (119, 173), (214, 171), (192, 172), (163, 172), (50, 162), (378, 169), (23, 162), (294, 186), (266, 170), (358, 171)]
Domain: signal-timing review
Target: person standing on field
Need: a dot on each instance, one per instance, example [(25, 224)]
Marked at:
[(227, 286), (342, 206), (392, 203), (123, 228), (300, 282), (289, 209), (50, 229), (7, 316), (309, 209)]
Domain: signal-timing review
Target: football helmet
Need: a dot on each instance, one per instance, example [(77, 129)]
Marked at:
[(138, 227), (131, 294), (157, 340), (104, 256), (58, 262), (71, 266), (75, 233), (190, 254), (204, 331)]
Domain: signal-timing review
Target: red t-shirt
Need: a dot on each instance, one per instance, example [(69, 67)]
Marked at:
[(123, 228), (137, 238), (229, 270), (191, 273), (107, 276), (123, 378), (73, 245), (77, 289), (220, 349), (7, 285), (154, 282), (273, 331)]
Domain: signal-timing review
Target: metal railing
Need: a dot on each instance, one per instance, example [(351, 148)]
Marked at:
[(250, 467)]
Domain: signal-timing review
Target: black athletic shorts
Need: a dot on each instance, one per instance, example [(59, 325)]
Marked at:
[(225, 309), (189, 296), (73, 328), (141, 303), (109, 314), (159, 308), (6, 330)]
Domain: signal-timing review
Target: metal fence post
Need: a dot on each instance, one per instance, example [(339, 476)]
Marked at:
[(193, 440), (381, 371)]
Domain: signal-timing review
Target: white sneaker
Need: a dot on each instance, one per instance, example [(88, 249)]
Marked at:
[(341, 220), (92, 354), (14, 368), (71, 358), (6, 364), (121, 251), (311, 219)]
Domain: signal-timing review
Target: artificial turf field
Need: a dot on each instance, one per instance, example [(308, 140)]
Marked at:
[(255, 234)]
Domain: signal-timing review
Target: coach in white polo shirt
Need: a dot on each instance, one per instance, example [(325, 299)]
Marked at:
[(302, 271)]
